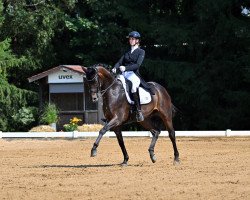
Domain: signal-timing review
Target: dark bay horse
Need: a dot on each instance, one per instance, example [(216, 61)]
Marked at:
[(117, 110)]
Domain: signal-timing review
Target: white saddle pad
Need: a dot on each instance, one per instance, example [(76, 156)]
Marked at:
[(145, 96)]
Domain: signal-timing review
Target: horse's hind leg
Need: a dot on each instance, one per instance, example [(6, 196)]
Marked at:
[(169, 125), (121, 144), (155, 134), (147, 123)]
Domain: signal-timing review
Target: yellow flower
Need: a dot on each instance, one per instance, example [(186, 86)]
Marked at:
[(75, 120)]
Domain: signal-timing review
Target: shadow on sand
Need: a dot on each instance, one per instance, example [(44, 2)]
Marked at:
[(88, 166), (78, 166)]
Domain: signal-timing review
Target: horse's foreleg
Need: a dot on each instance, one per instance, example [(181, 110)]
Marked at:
[(121, 144), (112, 123), (96, 144)]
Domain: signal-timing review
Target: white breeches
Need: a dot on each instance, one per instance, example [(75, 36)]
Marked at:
[(130, 75)]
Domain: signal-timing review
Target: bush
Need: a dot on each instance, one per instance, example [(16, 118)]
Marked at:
[(50, 114), (25, 115), (25, 118), (3, 123)]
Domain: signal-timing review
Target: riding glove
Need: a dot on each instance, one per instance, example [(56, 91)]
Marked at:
[(114, 70), (122, 68)]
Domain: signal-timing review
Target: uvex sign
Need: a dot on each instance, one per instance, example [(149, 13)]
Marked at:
[(65, 76)]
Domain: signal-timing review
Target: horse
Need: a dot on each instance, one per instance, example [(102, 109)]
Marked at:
[(117, 110)]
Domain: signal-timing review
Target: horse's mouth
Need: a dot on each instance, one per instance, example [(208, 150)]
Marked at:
[(95, 100)]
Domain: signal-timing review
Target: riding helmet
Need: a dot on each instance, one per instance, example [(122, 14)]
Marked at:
[(134, 34)]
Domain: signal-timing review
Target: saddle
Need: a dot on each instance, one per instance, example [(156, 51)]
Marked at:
[(145, 95)]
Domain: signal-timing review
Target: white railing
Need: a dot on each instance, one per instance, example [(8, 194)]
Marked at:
[(76, 134)]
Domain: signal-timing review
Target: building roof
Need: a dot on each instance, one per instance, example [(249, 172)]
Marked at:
[(75, 68)]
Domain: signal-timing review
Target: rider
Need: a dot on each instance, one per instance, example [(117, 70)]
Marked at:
[(129, 65)]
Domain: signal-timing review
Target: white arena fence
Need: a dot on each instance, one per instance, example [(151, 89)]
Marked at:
[(76, 134)]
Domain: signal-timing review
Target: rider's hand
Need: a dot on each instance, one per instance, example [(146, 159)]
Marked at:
[(114, 70), (122, 68)]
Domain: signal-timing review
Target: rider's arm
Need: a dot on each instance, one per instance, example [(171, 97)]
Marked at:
[(119, 63), (138, 63)]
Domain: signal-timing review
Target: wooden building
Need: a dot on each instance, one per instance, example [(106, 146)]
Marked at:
[(65, 86)]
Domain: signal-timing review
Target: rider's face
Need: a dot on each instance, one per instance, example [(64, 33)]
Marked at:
[(133, 41)]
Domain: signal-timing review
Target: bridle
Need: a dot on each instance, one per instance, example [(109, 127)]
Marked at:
[(98, 87)]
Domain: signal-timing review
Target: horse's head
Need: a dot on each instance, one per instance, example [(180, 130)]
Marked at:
[(93, 82), (95, 77)]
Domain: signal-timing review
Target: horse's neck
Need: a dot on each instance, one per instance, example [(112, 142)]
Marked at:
[(109, 83), (106, 78), (113, 92), (106, 83)]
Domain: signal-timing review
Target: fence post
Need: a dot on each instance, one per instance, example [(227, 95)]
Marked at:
[(228, 133), (74, 134), (1, 134)]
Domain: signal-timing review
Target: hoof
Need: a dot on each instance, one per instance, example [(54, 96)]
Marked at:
[(124, 164), (153, 158), (93, 152), (177, 162)]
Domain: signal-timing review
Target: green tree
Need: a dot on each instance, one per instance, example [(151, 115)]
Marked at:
[(203, 59), (198, 50), (11, 97)]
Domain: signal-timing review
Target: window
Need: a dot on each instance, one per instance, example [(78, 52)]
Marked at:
[(68, 101)]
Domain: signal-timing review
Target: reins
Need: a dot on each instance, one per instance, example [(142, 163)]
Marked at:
[(104, 91), (96, 78)]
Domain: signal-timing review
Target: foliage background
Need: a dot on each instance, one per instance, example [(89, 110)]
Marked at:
[(199, 50)]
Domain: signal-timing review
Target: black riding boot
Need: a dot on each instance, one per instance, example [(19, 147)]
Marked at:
[(139, 115)]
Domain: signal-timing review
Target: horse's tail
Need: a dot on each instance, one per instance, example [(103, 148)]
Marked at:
[(176, 110)]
